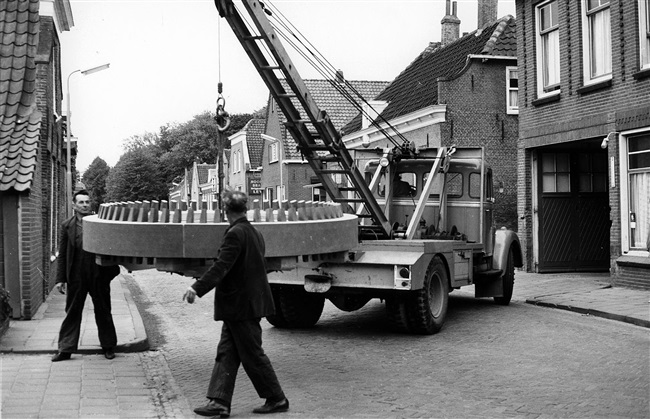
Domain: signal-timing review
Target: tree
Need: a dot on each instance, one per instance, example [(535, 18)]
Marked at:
[(152, 161), (136, 177), (95, 180)]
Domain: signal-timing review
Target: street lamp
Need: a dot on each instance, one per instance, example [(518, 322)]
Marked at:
[(68, 179)]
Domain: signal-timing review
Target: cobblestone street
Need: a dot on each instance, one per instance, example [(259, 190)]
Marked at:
[(488, 361)]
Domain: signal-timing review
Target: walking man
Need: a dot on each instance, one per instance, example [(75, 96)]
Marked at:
[(77, 275), (242, 297)]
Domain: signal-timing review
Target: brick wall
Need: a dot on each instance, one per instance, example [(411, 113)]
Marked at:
[(476, 117), (581, 114)]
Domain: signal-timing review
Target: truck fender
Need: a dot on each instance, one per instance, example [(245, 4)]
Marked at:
[(504, 240)]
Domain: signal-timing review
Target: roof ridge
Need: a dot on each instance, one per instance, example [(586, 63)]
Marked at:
[(501, 26)]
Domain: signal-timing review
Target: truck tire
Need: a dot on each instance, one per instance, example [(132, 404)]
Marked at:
[(428, 310), (397, 314), (508, 280), (296, 308)]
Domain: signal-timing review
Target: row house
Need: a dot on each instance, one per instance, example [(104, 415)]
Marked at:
[(199, 184), (244, 166), (584, 128), (32, 149), (461, 91), (286, 174)]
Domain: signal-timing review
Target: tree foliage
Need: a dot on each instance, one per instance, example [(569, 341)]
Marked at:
[(95, 180), (135, 177), (151, 161)]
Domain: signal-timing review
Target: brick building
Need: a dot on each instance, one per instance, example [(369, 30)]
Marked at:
[(32, 148), (584, 127), (461, 91), (285, 174)]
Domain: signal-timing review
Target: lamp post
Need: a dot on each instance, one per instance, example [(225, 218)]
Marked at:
[(68, 179)]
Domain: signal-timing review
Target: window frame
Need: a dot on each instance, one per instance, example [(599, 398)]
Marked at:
[(644, 34), (587, 46), (510, 109), (273, 152), (625, 193), (555, 88)]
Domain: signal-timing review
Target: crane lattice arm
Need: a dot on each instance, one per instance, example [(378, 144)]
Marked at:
[(310, 126)]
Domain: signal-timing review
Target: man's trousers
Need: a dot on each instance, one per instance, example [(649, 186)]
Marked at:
[(241, 343), (100, 292)]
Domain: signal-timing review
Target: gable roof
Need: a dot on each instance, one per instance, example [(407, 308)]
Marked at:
[(203, 172), (20, 121), (254, 129), (416, 87), (329, 99)]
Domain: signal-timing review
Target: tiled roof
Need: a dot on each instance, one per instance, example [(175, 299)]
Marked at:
[(417, 86), (203, 172), (254, 129), (20, 121), (337, 106)]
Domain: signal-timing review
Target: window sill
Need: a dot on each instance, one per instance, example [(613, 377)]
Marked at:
[(634, 261), (546, 99), (594, 87), (642, 74)]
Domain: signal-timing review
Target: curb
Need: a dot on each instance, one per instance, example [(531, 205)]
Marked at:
[(592, 312)]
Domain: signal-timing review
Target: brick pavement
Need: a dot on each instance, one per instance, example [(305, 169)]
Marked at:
[(138, 383)]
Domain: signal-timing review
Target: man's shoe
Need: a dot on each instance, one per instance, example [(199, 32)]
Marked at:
[(61, 356), (109, 354), (213, 408), (273, 407)]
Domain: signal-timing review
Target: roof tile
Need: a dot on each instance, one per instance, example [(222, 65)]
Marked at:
[(416, 87), (19, 118)]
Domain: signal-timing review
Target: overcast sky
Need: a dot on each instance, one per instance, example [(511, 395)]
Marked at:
[(166, 56)]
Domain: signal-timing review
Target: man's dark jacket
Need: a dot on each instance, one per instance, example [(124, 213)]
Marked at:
[(242, 290), (67, 251)]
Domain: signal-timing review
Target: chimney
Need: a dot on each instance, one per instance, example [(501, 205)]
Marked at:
[(487, 12), (339, 77), (450, 25)]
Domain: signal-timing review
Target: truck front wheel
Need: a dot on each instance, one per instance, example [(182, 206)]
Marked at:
[(296, 308), (428, 310)]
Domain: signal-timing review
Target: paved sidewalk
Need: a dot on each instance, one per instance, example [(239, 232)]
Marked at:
[(41, 334), (139, 384)]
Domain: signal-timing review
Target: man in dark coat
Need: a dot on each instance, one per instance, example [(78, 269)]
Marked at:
[(242, 297), (77, 275)]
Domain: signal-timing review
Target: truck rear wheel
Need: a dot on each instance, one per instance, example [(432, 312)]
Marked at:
[(508, 280), (428, 310), (296, 308)]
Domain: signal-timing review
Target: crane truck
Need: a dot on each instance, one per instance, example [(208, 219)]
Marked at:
[(406, 225)]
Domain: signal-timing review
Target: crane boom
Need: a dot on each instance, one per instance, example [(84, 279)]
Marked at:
[(315, 133)]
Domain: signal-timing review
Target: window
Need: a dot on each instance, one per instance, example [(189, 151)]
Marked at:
[(268, 194), (556, 175), (635, 160), (273, 152), (593, 172), (597, 41), (280, 192), (512, 93), (548, 49), (644, 33), (236, 161), (454, 185)]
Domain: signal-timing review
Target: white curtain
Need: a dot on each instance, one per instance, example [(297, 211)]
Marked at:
[(640, 206), (551, 51), (601, 43)]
